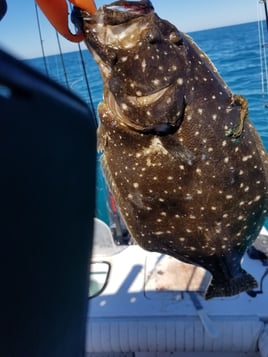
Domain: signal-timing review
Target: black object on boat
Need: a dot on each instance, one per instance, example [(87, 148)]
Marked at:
[(3, 8), (47, 190)]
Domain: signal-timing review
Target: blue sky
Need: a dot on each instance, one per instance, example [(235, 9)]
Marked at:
[(19, 31)]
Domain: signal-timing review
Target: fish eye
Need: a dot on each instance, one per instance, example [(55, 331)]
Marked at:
[(175, 38), (153, 35)]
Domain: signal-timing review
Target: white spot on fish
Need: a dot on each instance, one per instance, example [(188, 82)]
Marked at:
[(156, 81), (124, 106), (143, 65), (246, 158), (168, 101)]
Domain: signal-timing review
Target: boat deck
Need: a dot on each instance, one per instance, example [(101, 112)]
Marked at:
[(147, 308)]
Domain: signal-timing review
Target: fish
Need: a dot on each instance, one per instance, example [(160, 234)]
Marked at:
[(185, 164)]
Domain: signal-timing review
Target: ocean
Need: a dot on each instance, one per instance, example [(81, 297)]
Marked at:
[(234, 50)]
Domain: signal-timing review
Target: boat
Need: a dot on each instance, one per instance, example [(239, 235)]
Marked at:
[(150, 305), (147, 304)]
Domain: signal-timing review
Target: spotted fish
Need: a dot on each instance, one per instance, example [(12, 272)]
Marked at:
[(184, 162)]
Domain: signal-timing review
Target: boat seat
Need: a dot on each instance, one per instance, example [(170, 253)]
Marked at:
[(103, 241)]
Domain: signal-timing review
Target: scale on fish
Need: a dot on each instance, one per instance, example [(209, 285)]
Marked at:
[(184, 162)]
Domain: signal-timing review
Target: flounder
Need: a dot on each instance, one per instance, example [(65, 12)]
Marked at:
[(184, 162)]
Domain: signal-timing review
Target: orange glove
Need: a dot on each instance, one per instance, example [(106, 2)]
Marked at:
[(57, 13)]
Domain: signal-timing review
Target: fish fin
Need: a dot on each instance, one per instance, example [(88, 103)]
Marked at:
[(238, 100), (237, 285)]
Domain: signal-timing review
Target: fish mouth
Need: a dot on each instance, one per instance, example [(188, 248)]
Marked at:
[(117, 25), (122, 11)]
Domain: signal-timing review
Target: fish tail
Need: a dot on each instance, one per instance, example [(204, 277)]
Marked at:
[(237, 285)]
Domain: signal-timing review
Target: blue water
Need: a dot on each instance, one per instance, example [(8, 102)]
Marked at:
[(234, 50)]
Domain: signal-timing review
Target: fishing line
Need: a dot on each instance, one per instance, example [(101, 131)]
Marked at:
[(91, 104), (262, 50), (43, 50), (62, 61), (41, 40), (266, 12), (87, 84), (264, 45), (64, 68)]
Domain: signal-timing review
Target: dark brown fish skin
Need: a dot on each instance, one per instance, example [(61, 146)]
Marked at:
[(186, 167)]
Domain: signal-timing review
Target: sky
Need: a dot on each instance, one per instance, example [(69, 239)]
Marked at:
[(19, 30)]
